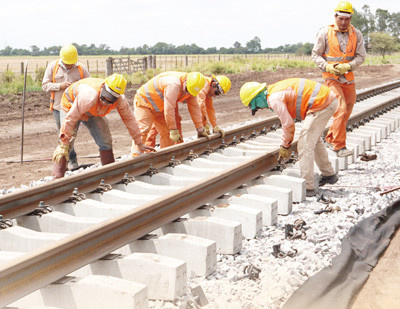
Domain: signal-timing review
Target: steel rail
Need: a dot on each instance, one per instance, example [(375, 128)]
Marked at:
[(50, 263), (47, 264)]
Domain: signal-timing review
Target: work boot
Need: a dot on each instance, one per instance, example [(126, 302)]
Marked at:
[(73, 165), (106, 156), (344, 152), (311, 192), (73, 162), (59, 168), (328, 179)]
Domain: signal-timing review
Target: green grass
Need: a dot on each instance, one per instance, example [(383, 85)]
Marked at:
[(12, 83)]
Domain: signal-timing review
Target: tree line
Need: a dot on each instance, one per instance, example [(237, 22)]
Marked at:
[(381, 32)]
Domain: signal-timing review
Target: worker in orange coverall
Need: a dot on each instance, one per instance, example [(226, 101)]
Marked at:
[(58, 76), (338, 51), (214, 86), (90, 100), (298, 98), (156, 102)]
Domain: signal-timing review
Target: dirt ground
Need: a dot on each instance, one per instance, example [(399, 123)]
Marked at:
[(40, 136)]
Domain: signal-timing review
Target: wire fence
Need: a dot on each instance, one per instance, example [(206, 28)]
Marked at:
[(97, 65)]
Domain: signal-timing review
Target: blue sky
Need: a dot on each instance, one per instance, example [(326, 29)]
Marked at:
[(132, 23)]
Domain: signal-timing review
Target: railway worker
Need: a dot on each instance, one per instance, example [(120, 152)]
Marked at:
[(58, 76), (89, 101), (338, 51), (157, 102), (214, 86), (296, 98)]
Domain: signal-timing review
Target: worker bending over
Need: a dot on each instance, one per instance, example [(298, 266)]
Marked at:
[(90, 100), (157, 102), (214, 86), (298, 98)]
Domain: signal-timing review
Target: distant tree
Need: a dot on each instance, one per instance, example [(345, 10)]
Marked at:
[(382, 17), (35, 51), (7, 51), (254, 46), (383, 43)]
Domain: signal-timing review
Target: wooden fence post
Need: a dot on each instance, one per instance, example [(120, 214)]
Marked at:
[(109, 66), (22, 68), (145, 64), (154, 62), (186, 60)]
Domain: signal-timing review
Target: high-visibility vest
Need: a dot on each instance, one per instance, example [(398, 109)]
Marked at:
[(308, 94), (152, 94), (335, 55), (53, 94), (99, 110)]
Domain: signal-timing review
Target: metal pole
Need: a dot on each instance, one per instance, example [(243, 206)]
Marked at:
[(23, 113)]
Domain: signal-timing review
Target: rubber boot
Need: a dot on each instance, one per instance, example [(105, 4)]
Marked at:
[(106, 156), (59, 168)]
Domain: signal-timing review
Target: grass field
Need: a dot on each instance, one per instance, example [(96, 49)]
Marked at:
[(97, 64)]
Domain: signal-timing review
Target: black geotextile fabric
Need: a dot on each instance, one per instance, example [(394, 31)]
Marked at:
[(337, 286)]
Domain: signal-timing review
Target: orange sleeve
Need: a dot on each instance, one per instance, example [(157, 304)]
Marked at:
[(128, 118), (195, 112), (211, 112)]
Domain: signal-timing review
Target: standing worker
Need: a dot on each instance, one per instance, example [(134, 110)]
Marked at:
[(338, 51), (90, 100), (58, 76), (296, 98), (214, 86), (157, 102)]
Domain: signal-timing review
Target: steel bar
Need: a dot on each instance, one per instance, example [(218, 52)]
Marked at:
[(50, 263)]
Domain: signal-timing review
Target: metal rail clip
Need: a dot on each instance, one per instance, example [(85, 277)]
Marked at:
[(299, 232), (278, 253), (41, 210), (126, 179), (103, 187), (5, 223), (250, 271), (327, 209), (151, 171), (191, 156), (75, 197), (174, 162)]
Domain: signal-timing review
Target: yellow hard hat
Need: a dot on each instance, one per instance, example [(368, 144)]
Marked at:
[(344, 6), (195, 82), (249, 91), (116, 83), (223, 81), (69, 54)]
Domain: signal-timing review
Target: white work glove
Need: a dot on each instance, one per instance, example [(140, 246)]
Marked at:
[(144, 148), (219, 130), (330, 68), (60, 152), (343, 68), (175, 135)]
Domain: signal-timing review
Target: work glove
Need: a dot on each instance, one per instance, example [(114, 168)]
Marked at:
[(284, 153), (60, 152), (144, 148), (219, 130), (207, 128), (175, 135), (343, 68), (203, 134), (330, 68)]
